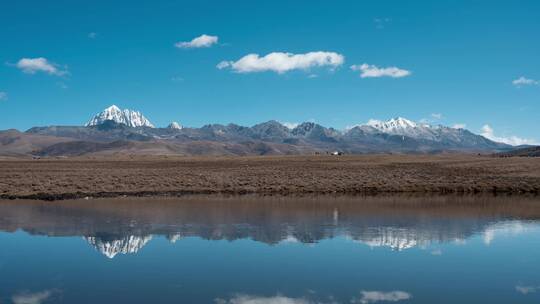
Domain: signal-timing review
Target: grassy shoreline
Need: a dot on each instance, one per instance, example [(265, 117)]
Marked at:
[(143, 176)]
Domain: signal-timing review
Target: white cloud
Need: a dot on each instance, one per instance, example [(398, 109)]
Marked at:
[(3, 96), (92, 35), (459, 126), (433, 118), (436, 116), (223, 65), (527, 289), (488, 133), (34, 65), (366, 298), (177, 79), (31, 298), (381, 22), (290, 125), (247, 299), (202, 41), (372, 71), (380, 296), (374, 122), (436, 252), (522, 81), (280, 62), (506, 229)]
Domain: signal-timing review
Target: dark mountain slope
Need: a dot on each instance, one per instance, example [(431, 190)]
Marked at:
[(15, 143), (521, 152), (268, 138)]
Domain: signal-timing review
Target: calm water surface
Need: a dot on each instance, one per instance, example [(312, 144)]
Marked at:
[(262, 251)]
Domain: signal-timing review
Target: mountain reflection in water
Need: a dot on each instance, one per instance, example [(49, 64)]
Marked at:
[(124, 226)]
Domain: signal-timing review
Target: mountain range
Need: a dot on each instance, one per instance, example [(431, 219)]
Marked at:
[(114, 131), (126, 226)]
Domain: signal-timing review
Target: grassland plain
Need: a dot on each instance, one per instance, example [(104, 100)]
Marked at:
[(70, 178)]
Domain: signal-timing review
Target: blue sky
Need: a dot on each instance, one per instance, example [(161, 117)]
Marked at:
[(449, 62)]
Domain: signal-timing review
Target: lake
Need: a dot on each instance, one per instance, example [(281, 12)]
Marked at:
[(259, 250)]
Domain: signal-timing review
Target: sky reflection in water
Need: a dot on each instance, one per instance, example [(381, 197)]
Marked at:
[(230, 250)]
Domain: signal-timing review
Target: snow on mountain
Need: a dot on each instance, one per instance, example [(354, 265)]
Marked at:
[(392, 125), (400, 238), (396, 239), (174, 237), (127, 117), (405, 127), (174, 125), (126, 245), (397, 134)]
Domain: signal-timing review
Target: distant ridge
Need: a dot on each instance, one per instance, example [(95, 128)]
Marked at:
[(114, 131), (521, 152), (174, 125)]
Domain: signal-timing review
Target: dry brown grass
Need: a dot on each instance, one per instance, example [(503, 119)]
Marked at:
[(284, 175)]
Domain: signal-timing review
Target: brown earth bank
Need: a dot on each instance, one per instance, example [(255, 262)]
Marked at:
[(52, 179)]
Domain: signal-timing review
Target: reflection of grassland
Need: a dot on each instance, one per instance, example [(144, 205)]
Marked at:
[(294, 175), (270, 219)]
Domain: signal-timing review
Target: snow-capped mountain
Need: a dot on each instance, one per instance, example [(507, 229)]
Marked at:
[(422, 131), (394, 238), (405, 127), (173, 237), (174, 125), (393, 125), (127, 117), (120, 130), (126, 245)]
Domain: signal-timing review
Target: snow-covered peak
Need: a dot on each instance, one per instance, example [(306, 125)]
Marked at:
[(127, 117), (404, 127), (397, 239), (398, 123), (113, 108), (174, 125), (126, 245), (174, 237)]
